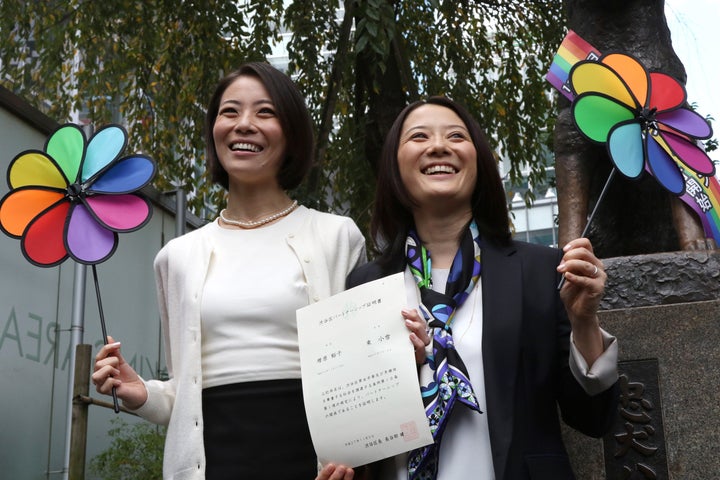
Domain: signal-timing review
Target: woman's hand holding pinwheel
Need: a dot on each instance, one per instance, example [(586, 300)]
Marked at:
[(111, 370)]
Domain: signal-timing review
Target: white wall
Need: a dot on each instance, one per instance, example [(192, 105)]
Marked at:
[(35, 320)]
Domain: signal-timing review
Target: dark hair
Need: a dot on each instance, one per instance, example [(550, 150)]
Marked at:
[(291, 112), (392, 213)]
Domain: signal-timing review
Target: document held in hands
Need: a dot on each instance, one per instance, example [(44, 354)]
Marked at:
[(359, 378)]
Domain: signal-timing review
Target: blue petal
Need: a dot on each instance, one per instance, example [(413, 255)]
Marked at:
[(626, 149), (126, 176), (663, 168), (104, 147)]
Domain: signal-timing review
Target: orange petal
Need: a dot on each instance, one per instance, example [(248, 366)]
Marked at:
[(21, 206), (632, 72)]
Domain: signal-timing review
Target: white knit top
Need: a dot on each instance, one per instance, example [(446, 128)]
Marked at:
[(253, 287)]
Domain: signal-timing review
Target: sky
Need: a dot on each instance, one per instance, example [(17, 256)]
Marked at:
[(696, 39)]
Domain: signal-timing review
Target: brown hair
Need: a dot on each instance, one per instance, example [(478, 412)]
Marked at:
[(292, 113)]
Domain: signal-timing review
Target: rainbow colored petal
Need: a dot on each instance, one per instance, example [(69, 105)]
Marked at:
[(626, 149), (663, 167), (127, 175), (686, 122), (42, 241), (104, 147), (688, 153), (35, 168), (87, 241), (595, 115), (632, 73), (19, 207), (120, 213), (594, 77), (67, 147), (666, 93)]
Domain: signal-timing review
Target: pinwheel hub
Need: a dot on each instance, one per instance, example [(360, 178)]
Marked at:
[(75, 192), (646, 116)]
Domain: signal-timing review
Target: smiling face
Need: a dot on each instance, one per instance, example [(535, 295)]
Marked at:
[(436, 158), (248, 137)]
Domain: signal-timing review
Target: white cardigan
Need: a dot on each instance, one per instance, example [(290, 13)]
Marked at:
[(327, 246)]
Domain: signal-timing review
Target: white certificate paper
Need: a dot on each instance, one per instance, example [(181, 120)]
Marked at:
[(359, 377)]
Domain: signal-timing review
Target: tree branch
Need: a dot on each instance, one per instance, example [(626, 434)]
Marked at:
[(328, 110)]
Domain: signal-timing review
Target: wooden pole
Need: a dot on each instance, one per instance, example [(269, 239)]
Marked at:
[(78, 435), (94, 401)]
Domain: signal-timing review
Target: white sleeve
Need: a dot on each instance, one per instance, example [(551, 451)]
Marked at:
[(603, 373)]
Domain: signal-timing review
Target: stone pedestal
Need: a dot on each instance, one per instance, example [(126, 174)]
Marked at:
[(665, 311)]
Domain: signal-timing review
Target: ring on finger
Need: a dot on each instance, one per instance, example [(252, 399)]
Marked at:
[(595, 272)]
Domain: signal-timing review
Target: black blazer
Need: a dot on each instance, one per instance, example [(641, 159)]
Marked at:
[(525, 345)]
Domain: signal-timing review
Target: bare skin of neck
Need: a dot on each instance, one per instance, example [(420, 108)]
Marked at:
[(441, 234), (247, 203)]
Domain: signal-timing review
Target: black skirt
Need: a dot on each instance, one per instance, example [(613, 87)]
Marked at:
[(257, 430)]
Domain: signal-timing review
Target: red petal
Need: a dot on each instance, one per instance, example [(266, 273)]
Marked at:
[(43, 242), (666, 93)]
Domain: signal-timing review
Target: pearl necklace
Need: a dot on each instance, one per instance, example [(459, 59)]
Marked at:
[(262, 221)]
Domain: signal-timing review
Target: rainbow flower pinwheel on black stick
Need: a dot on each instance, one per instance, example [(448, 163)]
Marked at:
[(71, 199), (642, 118)]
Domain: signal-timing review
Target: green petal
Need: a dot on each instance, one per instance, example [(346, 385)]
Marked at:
[(67, 147), (595, 115)]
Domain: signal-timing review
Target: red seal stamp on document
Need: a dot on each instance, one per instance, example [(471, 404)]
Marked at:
[(409, 431)]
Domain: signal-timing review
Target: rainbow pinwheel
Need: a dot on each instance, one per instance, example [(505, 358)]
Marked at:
[(73, 198), (641, 118)]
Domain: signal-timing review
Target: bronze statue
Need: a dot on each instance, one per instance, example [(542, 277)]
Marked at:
[(635, 217)]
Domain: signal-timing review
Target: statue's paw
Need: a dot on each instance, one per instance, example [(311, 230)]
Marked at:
[(700, 244)]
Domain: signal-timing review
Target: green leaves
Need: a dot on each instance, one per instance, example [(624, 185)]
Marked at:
[(136, 451), (152, 66)]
